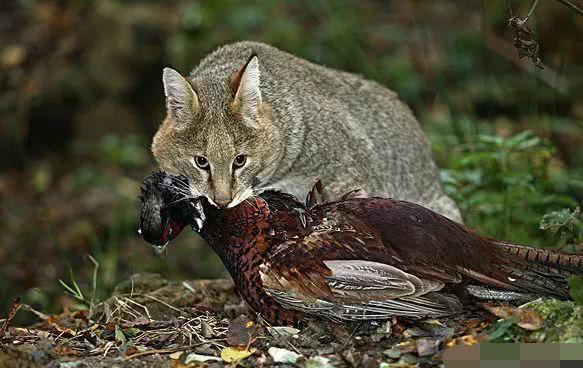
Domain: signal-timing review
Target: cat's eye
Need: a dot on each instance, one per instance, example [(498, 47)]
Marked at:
[(202, 162), (239, 161)]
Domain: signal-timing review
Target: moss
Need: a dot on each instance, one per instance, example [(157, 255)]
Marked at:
[(563, 323), (563, 320)]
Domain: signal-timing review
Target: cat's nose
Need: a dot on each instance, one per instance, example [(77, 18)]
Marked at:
[(222, 202)]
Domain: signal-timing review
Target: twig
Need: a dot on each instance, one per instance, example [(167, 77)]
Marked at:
[(111, 315), (163, 302), (279, 336), (108, 346), (40, 315), (187, 286), (531, 9), (163, 351), (571, 6), (11, 313), (151, 352), (351, 337), (128, 309), (141, 306), (95, 269)]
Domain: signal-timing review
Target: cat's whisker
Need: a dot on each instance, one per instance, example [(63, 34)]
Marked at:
[(176, 201), (181, 186), (182, 191)]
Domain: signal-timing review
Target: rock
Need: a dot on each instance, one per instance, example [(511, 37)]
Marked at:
[(392, 353), (435, 328), (427, 347), (408, 359), (200, 358), (351, 357), (385, 329), (414, 332), (72, 364), (406, 347), (318, 362), (369, 362), (280, 355)]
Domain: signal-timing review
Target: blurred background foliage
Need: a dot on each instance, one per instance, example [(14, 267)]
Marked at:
[(81, 97)]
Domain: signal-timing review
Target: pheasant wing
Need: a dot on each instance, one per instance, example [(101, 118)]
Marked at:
[(352, 289)]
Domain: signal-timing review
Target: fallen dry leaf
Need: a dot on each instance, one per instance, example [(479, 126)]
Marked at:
[(469, 340), (140, 321), (232, 354), (175, 355), (131, 350), (525, 318), (61, 325), (66, 351), (530, 320), (242, 332), (465, 340)]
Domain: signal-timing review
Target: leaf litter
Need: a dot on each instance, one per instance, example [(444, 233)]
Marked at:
[(161, 326)]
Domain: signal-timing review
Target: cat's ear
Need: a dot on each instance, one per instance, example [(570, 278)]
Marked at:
[(248, 99), (181, 100)]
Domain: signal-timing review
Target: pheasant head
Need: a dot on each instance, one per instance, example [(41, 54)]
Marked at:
[(166, 207)]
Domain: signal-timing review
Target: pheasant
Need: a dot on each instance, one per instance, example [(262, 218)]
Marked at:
[(352, 259)]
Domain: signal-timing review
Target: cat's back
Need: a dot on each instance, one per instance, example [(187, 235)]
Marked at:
[(282, 69)]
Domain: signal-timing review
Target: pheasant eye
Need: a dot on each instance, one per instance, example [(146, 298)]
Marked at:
[(201, 162), (239, 161)]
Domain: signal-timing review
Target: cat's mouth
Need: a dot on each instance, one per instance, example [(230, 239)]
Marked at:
[(240, 197)]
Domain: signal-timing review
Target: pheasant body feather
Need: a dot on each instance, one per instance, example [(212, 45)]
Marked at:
[(368, 258)]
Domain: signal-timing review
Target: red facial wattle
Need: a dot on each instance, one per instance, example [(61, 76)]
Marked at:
[(171, 231)]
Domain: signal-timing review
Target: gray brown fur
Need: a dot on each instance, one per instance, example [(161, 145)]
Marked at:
[(313, 122)]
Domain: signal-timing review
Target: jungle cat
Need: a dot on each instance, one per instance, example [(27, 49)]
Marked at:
[(250, 116)]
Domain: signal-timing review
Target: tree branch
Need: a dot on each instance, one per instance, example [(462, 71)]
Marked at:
[(571, 6)]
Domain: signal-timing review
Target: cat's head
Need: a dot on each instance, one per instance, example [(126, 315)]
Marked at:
[(218, 132)]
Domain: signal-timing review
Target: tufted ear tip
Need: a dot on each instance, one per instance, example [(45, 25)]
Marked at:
[(248, 97), (174, 83), (182, 101), (168, 71)]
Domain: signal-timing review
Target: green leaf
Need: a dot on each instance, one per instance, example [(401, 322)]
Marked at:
[(555, 220), (67, 287), (500, 329), (520, 138), (131, 331), (533, 142), (119, 336), (481, 157), (491, 139)]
